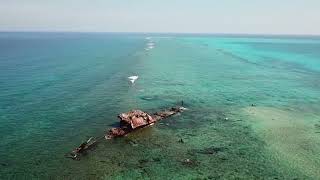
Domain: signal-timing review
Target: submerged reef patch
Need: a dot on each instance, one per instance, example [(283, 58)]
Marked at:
[(289, 136)]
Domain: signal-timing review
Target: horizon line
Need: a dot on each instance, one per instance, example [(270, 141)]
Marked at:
[(142, 32)]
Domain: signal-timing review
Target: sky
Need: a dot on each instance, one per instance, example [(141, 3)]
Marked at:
[(177, 16)]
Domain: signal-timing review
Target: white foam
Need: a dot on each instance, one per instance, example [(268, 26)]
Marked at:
[(133, 78), (150, 45)]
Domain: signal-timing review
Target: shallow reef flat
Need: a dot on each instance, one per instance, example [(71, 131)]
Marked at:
[(291, 137)]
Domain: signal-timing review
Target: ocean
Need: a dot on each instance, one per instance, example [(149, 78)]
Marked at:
[(253, 105)]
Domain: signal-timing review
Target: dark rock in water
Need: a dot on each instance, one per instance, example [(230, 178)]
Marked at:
[(211, 150), (156, 159), (224, 158), (143, 161), (146, 98), (189, 162), (133, 143), (4, 164), (149, 98), (181, 140), (207, 151), (189, 134)]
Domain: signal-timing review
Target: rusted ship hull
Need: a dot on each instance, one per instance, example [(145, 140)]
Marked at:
[(137, 119)]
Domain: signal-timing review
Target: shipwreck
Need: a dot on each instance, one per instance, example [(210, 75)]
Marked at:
[(136, 119), (129, 122)]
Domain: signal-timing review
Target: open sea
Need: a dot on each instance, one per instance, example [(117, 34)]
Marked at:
[(253, 105)]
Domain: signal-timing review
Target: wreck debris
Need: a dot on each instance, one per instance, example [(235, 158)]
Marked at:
[(167, 113), (85, 146)]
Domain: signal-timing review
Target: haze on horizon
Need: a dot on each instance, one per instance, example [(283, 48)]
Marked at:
[(177, 16)]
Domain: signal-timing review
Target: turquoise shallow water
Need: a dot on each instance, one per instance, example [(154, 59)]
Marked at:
[(58, 89)]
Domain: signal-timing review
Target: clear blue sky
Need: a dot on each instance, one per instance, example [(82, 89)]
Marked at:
[(198, 16)]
